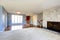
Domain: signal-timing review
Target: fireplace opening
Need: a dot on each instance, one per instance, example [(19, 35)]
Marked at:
[(53, 26)]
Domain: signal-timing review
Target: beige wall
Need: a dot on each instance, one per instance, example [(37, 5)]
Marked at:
[(52, 14), (40, 17), (34, 19)]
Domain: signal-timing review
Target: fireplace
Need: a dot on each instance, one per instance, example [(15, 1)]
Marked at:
[(53, 26)]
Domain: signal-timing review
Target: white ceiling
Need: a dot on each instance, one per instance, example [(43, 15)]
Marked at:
[(28, 6)]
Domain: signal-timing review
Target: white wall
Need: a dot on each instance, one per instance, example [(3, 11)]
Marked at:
[(52, 14)]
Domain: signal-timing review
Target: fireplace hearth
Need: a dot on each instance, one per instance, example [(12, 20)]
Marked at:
[(53, 26)]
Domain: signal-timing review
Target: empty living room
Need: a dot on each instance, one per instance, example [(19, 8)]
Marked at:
[(29, 19)]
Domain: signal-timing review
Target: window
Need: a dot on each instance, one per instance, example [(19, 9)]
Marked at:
[(17, 19)]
